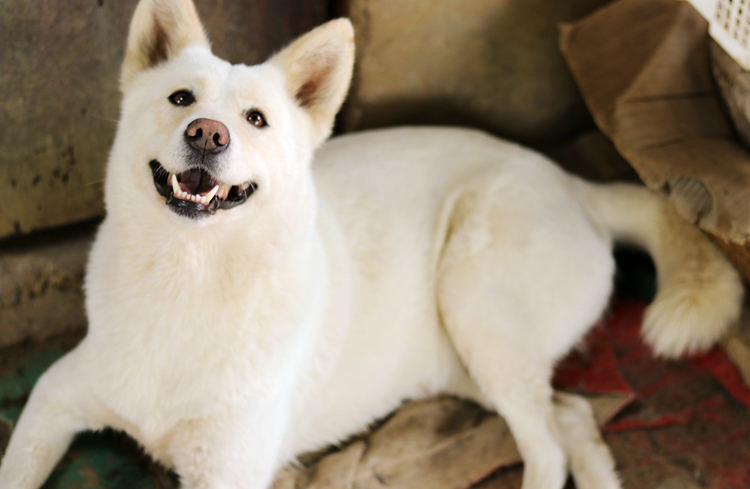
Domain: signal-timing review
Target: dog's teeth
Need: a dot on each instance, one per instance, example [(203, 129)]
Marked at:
[(211, 194), (244, 186), (175, 185)]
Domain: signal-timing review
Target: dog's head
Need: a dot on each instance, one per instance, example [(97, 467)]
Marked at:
[(200, 138)]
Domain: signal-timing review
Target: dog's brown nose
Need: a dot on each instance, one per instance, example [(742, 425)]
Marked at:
[(207, 135)]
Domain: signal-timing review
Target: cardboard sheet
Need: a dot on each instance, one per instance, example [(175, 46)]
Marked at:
[(643, 68)]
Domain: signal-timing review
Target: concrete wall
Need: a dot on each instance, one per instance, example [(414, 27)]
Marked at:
[(492, 64), (59, 101)]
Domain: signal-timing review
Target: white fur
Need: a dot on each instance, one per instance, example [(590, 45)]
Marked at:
[(401, 263)]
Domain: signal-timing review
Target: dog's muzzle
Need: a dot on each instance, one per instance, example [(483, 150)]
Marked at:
[(195, 193)]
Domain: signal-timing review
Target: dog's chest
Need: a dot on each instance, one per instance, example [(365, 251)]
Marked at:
[(172, 345)]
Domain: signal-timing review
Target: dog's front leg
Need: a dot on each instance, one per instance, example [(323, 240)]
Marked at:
[(236, 450), (60, 405)]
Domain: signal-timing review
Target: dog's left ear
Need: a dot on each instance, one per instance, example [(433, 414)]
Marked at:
[(318, 68), (160, 29)]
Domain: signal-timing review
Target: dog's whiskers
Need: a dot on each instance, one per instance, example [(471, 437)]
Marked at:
[(103, 118), (95, 182)]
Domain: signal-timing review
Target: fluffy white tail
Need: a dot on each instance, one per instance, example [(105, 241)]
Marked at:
[(699, 292)]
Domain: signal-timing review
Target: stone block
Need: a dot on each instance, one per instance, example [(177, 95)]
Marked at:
[(41, 284), (59, 69), (492, 64)]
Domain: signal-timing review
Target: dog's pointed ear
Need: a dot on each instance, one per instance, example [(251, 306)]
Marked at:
[(318, 68), (160, 29)]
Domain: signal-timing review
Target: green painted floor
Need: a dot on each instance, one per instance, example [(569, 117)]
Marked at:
[(95, 460)]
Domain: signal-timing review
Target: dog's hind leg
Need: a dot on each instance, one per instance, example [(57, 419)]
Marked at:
[(520, 280), (57, 409), (512, 375), (590, 461)]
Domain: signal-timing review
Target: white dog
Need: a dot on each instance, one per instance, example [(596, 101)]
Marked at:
[(247, 303)]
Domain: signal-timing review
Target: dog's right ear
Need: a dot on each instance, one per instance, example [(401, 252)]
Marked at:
[(160, 29)]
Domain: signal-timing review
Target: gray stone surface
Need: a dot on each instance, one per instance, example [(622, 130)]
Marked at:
[(492, 64), (59, 98), (41, 280)]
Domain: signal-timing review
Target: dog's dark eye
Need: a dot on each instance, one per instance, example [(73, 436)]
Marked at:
[(256, 118), (182, 98)]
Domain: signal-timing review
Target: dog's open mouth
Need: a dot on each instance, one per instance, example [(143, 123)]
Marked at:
[(196, 193)]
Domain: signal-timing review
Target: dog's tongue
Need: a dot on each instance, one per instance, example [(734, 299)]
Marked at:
[(196, 182)]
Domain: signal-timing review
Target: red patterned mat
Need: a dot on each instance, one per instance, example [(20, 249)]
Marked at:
[(687, 420)]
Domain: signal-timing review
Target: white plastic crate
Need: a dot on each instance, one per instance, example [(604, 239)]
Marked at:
[(729, 25)]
